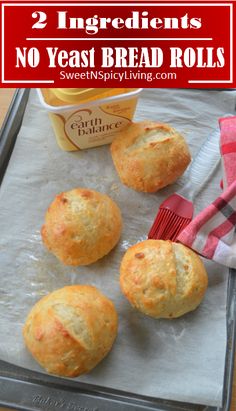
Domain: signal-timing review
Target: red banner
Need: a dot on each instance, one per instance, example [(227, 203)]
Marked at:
[(138, 44)]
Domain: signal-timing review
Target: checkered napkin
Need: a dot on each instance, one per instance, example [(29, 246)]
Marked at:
[(212, 233)]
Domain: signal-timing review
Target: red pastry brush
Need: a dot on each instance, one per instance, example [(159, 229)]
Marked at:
[(176, 212)]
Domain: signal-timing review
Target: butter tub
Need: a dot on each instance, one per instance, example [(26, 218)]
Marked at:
[(84, 118)]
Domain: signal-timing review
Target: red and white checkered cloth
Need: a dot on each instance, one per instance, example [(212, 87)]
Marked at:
[(213, 232)]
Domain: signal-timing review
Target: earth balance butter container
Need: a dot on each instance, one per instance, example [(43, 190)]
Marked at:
[(84, 118)]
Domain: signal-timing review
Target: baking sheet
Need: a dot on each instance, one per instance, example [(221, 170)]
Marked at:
[(179, 359)]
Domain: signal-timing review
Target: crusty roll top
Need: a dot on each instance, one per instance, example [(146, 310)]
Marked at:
[(149, 156), (163, 279)]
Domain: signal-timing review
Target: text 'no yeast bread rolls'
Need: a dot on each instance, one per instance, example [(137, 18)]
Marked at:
[(163, 279), (81, 226), (149, 156), (71, 330)]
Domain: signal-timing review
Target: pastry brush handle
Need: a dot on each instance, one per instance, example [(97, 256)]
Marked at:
[(203, 165)]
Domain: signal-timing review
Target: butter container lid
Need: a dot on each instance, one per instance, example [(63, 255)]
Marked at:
[(78, 95), (52, 103)]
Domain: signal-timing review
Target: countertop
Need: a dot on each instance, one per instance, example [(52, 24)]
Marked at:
[(5, 99)]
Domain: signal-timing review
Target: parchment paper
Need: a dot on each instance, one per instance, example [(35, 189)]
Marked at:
[(179, 359)]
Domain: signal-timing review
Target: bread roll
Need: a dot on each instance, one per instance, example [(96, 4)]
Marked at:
[(149, 156), (163, 279), (81, 226), (71, 330)]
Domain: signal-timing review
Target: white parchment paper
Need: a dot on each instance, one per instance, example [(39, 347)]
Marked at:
[(179, 359)]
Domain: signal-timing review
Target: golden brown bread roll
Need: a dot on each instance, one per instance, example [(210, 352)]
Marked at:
[(163, 279), (81, 226), (71, 330), (149, 156)]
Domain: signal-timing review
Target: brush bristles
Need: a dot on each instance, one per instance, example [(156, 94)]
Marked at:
[(167, 225)]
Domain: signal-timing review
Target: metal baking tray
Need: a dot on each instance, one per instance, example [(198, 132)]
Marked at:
[(30, 390)]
